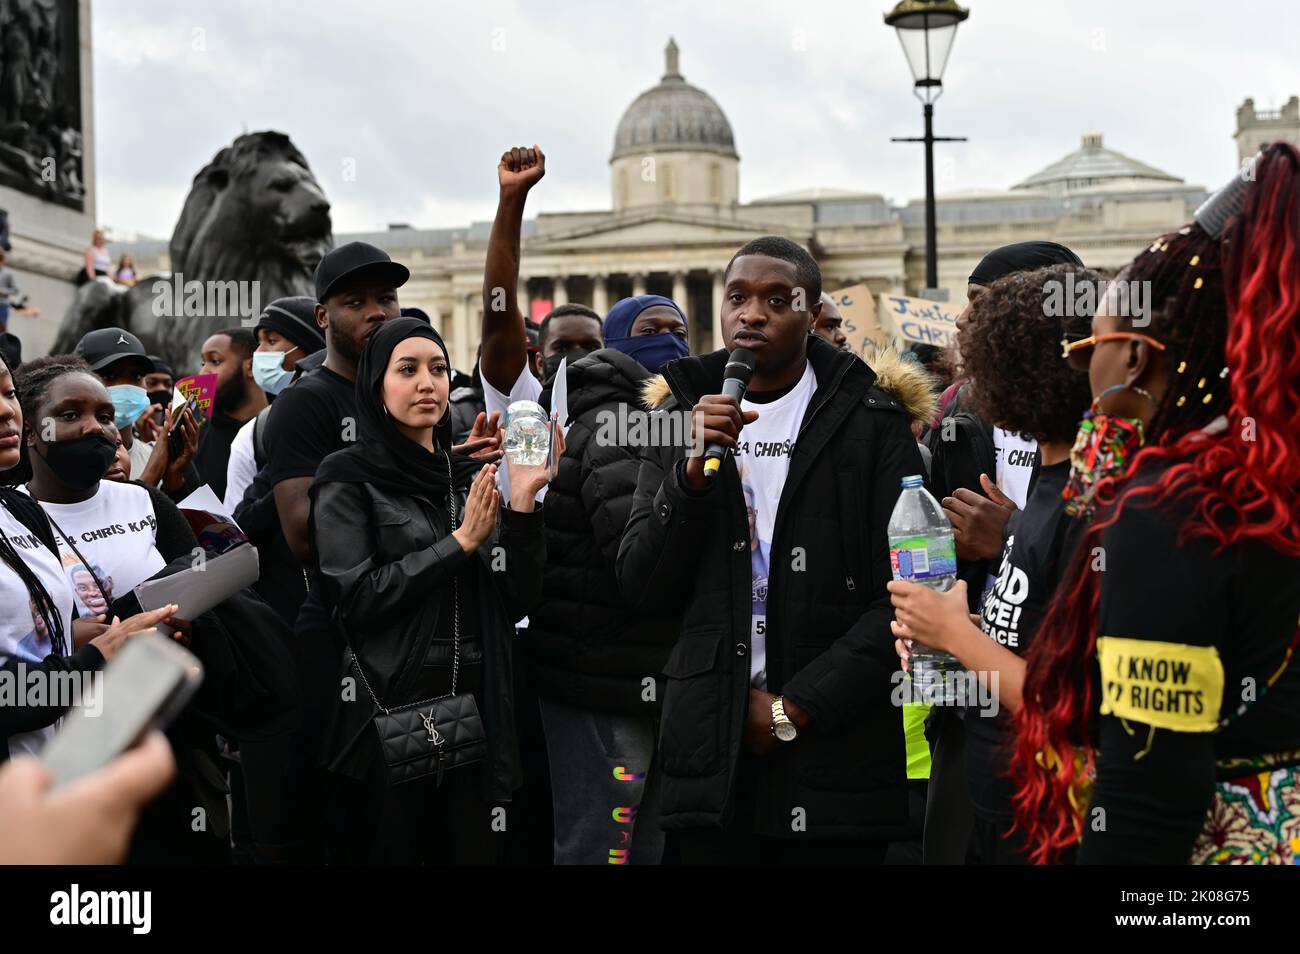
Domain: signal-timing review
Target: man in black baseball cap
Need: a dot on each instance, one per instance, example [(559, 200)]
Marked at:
[(116, 355), (356, 292), (347, 264), (121, 362)]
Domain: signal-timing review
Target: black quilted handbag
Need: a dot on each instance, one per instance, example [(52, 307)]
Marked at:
[(446, 732)]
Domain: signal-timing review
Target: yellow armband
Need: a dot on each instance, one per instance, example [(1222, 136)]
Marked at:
[(1165, 685)]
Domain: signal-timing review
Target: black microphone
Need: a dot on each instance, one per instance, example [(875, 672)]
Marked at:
[(740, 368)]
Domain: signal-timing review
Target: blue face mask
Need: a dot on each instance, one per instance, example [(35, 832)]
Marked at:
[(652, 352), (129, 402), (268, 370)]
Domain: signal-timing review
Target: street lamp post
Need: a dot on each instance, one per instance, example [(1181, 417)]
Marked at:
[(926, 28)]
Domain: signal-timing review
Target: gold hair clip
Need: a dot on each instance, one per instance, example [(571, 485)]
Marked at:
[(1200, 384), (1199, 282), (1182, 366), (1196, 260), (1181, 401), (1206, 399)]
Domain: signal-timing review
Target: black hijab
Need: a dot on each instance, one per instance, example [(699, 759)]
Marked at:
[(1020, 257), (383, 456)]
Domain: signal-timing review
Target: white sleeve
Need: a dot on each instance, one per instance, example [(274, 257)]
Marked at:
[(242, 467), (525, 388)]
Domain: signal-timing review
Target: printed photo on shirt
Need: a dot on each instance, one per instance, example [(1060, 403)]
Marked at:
[(91, 600), (35, 646)]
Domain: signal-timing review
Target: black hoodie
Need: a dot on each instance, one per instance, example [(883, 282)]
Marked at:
[(585, 646)]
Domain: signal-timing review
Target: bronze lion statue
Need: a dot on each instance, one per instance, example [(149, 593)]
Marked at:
[(255, 214)]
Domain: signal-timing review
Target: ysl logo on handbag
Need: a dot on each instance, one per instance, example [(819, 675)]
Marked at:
[(434, 735)]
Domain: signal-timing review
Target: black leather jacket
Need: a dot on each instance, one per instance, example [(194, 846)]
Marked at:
[(384, 559)]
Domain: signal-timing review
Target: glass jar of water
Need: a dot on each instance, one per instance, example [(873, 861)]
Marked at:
[(528, 434)]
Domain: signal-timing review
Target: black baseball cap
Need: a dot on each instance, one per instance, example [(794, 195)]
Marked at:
[(103, 347), (355, 260)]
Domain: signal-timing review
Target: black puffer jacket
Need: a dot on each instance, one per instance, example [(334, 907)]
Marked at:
[(829, 646), (586, 648), (385, 560)]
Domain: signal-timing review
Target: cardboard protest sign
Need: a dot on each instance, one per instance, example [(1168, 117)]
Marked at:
[(200, 392), (919, 320), (858, 308)]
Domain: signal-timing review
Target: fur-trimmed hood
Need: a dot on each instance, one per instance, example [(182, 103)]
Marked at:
[(905, 380)]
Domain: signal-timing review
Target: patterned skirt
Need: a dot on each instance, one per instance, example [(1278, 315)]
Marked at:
[(1255, 816)]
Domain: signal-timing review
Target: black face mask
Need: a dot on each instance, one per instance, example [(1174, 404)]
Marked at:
[(82, 461), (552, 364), (161, 397)]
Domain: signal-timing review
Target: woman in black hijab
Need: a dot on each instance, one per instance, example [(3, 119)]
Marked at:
[(425, 574)]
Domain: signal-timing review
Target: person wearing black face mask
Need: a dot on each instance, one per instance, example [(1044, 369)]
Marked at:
[(594, 664), (112, 535)]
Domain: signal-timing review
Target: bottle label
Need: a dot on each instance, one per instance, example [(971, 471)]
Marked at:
[(922, 558)]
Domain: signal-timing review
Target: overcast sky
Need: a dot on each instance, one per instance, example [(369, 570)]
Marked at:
[(424, 95)]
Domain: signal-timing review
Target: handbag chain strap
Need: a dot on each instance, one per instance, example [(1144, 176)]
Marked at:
[(455, 622)]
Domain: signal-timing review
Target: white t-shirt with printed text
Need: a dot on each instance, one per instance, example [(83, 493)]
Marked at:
[(22, 628), (763, 459), (115, 530)]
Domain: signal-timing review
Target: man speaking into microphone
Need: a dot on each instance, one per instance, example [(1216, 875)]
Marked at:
[(779, 739)]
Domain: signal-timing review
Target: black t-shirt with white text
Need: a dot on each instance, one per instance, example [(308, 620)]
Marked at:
[(1036, 553)]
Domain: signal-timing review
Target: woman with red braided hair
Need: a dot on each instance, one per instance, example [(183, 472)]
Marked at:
[(1161, 713)]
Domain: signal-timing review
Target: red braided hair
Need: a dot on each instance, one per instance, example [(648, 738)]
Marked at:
[(1238, 307)]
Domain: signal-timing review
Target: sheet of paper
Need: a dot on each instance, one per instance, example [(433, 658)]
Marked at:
[(560, 396), (205, 499), (202, 587)]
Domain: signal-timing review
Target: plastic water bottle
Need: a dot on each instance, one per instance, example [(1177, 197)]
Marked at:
[(528, 434), (921, 550)]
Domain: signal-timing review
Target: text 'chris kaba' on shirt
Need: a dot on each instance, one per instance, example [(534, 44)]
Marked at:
[(823, 741)]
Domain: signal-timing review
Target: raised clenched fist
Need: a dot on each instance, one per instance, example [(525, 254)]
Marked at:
[(521, 167)]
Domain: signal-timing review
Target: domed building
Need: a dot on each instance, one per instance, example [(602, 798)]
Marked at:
[(675, 219), (674, 146), (1094, 167)]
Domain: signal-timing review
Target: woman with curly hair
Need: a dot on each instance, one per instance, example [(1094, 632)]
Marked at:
[(1011, 347), (1161, 716)]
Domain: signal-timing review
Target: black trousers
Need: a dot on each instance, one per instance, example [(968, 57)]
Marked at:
[(736, 844), (416, 822)]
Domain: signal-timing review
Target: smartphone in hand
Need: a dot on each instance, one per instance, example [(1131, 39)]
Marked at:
[(146, 686)]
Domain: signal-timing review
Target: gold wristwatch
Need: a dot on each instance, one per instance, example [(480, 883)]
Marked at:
[(782, 727)]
